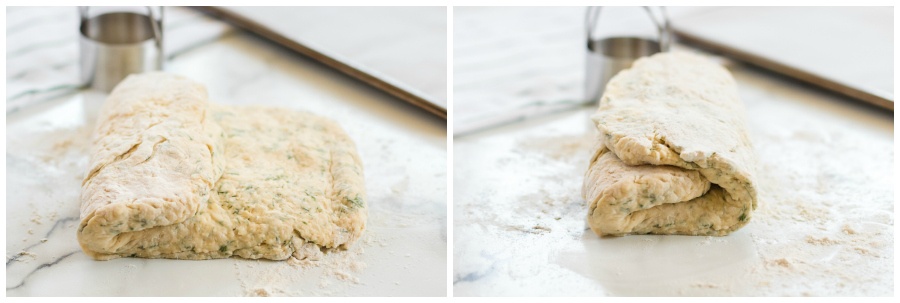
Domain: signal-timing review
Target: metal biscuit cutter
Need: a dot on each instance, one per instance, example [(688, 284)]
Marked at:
[(607, 56), (117, 42)]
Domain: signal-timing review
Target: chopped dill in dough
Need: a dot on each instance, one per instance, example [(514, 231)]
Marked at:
[(174, 176), (673, 155)]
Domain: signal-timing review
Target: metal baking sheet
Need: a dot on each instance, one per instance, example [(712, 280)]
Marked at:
[(399, 50), (846, 50)]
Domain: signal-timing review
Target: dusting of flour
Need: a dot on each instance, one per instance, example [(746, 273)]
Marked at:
[(335, 271), (823, 227), (57, 159)]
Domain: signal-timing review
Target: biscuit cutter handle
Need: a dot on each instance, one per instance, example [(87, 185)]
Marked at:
[(661, 20)]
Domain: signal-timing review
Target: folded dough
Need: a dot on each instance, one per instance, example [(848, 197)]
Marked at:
[(672, 154), (173, 176)]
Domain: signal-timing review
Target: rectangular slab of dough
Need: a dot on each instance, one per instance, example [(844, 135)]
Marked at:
[(672, 154), (174, 176)]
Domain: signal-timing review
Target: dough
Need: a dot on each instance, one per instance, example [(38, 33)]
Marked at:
[(173, 176), (672, 153)]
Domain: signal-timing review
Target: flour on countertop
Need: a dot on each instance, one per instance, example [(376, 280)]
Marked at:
[(63, 153), (824, 225), (50, 156), (23, 253), (826, 214), (706, 285), (337, 269)]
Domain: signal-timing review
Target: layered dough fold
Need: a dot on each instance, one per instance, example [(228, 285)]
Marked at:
[(174, 176), (672, 154)]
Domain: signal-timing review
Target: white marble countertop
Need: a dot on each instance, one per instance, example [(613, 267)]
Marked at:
[(403, 251), (824, 225), (512, 63)]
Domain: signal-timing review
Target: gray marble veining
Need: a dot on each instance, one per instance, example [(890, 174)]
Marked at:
[(42, 53), (403, 251)]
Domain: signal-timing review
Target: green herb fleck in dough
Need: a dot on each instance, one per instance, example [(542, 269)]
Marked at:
[(357, 202), (662, 140), (228, 179)]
